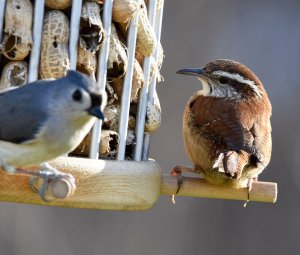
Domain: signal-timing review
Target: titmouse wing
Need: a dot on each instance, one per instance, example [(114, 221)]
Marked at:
[(23, 112)]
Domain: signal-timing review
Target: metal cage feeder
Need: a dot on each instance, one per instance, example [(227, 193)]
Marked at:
[(115, 184)]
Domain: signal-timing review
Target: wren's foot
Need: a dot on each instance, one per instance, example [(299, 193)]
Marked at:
[(249, 188), (52, 184), (177, 171)]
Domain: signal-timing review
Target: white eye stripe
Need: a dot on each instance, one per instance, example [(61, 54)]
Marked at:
[(239, 78)]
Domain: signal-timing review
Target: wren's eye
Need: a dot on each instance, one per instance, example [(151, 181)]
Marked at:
[(77, 95), (224, 80)]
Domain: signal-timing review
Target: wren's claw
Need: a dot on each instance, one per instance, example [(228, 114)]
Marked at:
[(249, 188), (52, 184), (176, 171)]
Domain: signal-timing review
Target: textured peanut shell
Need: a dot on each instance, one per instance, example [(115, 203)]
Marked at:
[(15, 73), (153, 115), (55, 60), (160, 56), (92, 34), (18, 19), (112, 113), (154, 68), (159, 4), (96, 1), (146, 38), (130, 142), (13, 47), (17, 40), (110, 92), (140, 58), (86, 62), (55, 27), (108, 144), (138, 81), (153, 119), (58, 4), (83, 148), (123, 10), (117, 59), (130, 139)]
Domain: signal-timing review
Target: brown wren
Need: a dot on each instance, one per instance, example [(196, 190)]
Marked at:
[(226, 125)]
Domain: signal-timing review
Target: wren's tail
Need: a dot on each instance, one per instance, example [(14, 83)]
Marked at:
[(234, 163)]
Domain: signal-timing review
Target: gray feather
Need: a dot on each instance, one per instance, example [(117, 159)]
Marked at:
[(24, 110), (20, 118)]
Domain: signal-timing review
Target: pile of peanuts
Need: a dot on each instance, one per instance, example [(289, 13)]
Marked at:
[(54, 58)]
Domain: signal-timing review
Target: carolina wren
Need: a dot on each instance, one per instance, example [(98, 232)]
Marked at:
[(226, 125)]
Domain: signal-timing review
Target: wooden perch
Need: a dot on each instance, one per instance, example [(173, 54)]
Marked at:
[(123, 185), (198, 187)]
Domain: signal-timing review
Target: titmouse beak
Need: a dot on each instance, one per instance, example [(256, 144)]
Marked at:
[(95, 109)]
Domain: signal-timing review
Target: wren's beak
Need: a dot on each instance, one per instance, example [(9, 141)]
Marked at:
[(198, 72), (201, 75), (95, 109)]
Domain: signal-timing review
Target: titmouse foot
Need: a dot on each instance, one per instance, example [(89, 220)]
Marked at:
[(52, 184), (7, 168)]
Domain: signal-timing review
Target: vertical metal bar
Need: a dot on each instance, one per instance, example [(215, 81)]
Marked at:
[(2, 11), (143, 97), (74, 32), (127, 84), (101, 75), (38, 20), (152, 88)]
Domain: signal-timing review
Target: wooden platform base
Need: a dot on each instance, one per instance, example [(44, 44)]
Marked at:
[(123, 185)]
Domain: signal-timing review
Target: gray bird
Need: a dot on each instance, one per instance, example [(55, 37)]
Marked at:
[(46, 119)]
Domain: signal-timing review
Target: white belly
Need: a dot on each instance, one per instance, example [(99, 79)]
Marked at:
[(46, 147)]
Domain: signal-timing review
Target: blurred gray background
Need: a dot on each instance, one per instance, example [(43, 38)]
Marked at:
[(264, 35)]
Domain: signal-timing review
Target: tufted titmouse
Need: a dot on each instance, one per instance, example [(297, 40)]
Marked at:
[(46, 119)]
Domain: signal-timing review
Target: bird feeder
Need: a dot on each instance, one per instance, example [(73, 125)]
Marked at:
[(118, 44)]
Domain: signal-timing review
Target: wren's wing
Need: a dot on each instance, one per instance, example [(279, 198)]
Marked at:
[(219, 120), (234, 131), (262, 143), (22, 112)]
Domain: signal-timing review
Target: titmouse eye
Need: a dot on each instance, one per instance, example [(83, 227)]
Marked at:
[(77, 95)]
